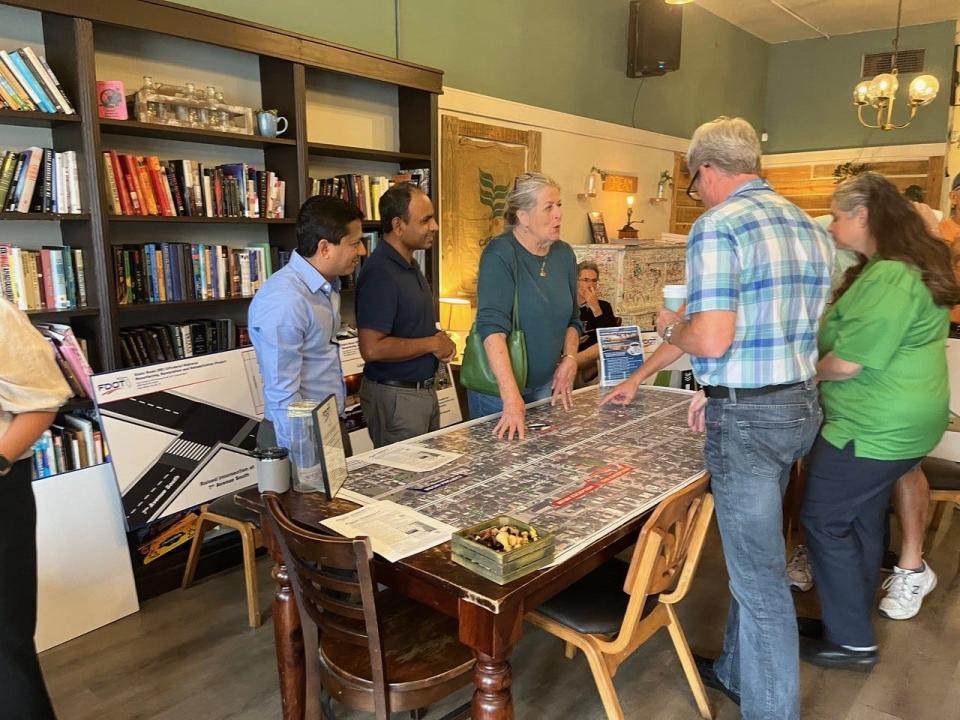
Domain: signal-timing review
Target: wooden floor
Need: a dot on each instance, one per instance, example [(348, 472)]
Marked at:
[(190, 654)]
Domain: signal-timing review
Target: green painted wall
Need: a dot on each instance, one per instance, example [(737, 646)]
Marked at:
[(810, 91), (566, 55)]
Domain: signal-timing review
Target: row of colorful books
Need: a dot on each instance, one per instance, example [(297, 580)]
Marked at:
[(365, 191), (39, 180), (146, 185), (72, 442), (70, 353), (28, 83), (52, 278), (176, 341), (170, 272)]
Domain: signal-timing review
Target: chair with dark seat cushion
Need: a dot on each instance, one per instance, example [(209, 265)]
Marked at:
[(614, 610), (370, 649), (943, 477), (225, 511)]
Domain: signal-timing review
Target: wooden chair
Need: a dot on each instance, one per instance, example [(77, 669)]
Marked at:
[(944, 479), (225, 511), (614, 610), (370, 649)]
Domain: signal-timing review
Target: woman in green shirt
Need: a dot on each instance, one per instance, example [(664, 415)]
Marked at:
[(884, 391), (546, 284)]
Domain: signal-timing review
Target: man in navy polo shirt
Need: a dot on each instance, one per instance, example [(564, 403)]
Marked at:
[(399, 340)]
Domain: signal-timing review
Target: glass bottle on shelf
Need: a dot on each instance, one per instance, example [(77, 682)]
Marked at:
[(153, 107), (223, 117), (193, 108), (208, 108)]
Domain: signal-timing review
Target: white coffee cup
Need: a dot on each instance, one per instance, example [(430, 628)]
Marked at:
[(674, 296)]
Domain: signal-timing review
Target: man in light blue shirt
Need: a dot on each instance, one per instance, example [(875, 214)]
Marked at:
[(295, 316)]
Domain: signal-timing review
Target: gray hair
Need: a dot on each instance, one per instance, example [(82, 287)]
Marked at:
[(856, 192), (588, 265), (729, 144), (523, 194)]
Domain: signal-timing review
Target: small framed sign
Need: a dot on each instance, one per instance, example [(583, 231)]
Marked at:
[(598, 230), (329, 438)]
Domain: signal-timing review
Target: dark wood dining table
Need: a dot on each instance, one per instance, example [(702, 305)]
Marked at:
[(490, 616)]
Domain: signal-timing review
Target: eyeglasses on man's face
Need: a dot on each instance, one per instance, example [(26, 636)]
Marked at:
[(692, 191)]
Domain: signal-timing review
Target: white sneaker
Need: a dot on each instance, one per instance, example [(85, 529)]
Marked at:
[(905, 592), (798, 569)]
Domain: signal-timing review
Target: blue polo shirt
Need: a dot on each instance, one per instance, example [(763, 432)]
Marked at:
[(394, 297)]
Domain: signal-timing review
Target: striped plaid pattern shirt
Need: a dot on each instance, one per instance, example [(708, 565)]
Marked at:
[(761, 256)]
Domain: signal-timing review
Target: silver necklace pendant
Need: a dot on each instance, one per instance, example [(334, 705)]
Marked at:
[(543, 269)]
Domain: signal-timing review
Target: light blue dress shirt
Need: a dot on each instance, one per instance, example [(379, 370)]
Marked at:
[(293, 321)]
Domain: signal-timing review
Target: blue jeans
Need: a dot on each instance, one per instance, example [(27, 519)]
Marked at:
[(482, 405), (750, 447)]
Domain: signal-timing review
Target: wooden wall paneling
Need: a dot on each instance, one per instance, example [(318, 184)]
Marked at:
[(69, 49), (215, 29), (935, 176), (683, 210), (283, 86)]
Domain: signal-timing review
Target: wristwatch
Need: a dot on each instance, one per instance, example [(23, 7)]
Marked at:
[(5, 466), (668, 332)]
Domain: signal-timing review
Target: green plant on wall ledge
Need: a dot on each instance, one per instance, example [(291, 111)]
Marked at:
[(848, 170), (494, 197), (666, 178)]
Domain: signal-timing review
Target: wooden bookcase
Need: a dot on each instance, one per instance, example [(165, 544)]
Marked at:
[(72, 34)]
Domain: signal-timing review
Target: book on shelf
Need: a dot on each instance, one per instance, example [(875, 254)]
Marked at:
[(28, 83), (39, 180), (70, 354), (147, 185), (163, 342), (74, 441), (176, 272), (365, 191), (52, 278)]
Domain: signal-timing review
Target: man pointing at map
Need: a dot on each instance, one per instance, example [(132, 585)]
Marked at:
[(758, 274)]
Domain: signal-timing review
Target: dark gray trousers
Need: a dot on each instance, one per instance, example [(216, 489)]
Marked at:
[(394, 414)]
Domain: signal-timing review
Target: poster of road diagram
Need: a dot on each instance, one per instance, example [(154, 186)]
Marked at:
[(585, 472), (180, 432)]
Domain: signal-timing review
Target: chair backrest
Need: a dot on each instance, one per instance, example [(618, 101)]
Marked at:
[(332, 578), (668, 549)]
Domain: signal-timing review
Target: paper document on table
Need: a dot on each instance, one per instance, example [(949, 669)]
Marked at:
[(395, 531), (411, 456)]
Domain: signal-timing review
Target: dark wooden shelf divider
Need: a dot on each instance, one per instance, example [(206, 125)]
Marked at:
[(60, 315), (202, 219), (355, 153), (146, 307), (51, 217), (35, 119)]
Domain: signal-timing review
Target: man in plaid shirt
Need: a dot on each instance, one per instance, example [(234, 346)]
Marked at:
[(758, 276)]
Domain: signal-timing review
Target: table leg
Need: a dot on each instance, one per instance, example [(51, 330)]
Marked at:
[(492, 635), (492, 700), (288, 637)]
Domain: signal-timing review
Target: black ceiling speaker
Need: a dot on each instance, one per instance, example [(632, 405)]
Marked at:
[(653, 42)]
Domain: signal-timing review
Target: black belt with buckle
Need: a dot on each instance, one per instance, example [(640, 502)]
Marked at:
[(409, 384), (723, 392)]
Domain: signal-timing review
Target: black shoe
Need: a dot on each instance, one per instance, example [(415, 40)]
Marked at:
[(827, 654), (710, 679), (809, 627)]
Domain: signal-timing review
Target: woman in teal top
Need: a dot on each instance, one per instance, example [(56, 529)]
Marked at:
[(546, 272), (884, 391)]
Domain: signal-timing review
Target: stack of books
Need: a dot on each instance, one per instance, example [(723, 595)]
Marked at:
[(28, 83), (39, 180), (74, 441), (365, 191), (146, 185), (176, 341), (171, 272), (70, 353), (51, 278)]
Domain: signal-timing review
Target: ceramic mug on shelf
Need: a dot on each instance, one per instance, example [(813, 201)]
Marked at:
[(267, 122)]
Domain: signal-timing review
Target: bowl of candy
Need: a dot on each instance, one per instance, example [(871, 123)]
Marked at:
[(502, 549)]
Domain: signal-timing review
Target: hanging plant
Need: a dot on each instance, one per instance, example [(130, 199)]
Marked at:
[(848, 170)]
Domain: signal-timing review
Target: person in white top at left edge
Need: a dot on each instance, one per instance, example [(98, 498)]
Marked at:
[(295, 316), (32, 389)]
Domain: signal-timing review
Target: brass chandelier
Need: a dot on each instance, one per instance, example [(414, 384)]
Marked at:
[(881, 92)]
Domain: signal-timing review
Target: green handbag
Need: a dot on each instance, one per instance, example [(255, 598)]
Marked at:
[(475, 372)]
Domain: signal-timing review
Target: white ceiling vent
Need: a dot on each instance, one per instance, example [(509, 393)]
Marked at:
[(908, 61)]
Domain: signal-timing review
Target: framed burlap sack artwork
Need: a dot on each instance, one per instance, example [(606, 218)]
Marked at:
[(478, 164)]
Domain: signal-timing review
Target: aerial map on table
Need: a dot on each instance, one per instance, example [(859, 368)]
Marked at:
[(586, 471)]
